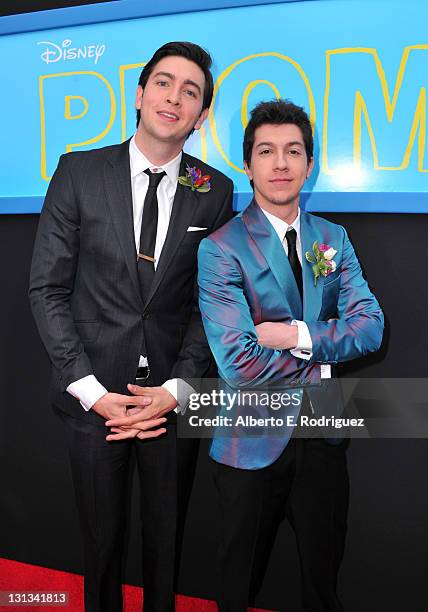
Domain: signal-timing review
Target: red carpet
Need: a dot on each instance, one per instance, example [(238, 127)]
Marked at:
[(15, 576)]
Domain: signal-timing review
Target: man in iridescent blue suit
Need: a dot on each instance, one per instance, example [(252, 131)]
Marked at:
[(278, 308)]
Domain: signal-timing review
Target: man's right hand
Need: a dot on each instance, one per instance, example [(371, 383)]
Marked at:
[(114, 406), (277, 335)]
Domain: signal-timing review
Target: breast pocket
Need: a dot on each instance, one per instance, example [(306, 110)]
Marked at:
[(192, 239), (330, 296)]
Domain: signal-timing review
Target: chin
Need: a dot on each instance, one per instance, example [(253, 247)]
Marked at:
[(281, 201), (168, 136)]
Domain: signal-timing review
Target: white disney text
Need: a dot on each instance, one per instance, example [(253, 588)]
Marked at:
[(52, 52)]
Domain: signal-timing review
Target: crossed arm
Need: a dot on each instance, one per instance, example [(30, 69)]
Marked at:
[(241, 358), (247, 354), (357, 329)]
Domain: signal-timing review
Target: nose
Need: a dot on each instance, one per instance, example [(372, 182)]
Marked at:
[(174, 95), (281, 162)]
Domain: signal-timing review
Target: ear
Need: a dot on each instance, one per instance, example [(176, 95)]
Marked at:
[(202, 118), (138, 97), (248, 171), (310, 168)]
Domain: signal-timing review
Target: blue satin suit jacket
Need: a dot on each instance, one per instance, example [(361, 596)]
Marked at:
[(245, 279)]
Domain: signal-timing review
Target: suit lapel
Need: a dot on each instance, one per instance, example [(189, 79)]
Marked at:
[(117, 176), (183, 208), (312, 295), (270, 246)]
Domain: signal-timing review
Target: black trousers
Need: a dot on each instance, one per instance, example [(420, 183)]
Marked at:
[(308, 484), (100, 471)]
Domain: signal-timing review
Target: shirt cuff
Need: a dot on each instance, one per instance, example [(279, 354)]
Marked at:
[(87, 390), (181, 391), (303, 350)]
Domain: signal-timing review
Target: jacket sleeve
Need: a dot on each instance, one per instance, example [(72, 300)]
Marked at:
[(358, 328), (231, 333), (53, 270), (195, 358)]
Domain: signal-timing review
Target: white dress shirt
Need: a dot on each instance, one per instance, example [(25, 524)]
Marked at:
[(303, 350), (89, 390), (165, 193)]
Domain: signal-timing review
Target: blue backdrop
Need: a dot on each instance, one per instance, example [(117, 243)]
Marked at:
[(359, 68)]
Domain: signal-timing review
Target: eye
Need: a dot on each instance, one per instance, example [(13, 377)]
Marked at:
[(264, 151), (190, 93), (162, 83), (295, 152)]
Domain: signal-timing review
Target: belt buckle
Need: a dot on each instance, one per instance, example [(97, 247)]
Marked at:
[(143, 374)]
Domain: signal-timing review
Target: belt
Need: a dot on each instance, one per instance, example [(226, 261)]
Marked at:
[(142, 375)]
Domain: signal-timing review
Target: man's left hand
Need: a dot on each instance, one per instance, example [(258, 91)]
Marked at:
[(277, 335), (162, 402)]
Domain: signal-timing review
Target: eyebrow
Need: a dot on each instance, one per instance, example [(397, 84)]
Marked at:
[(287, 144), (172, 77)]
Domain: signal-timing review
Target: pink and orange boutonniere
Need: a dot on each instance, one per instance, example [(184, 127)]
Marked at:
[(195, 180), (322, 260)]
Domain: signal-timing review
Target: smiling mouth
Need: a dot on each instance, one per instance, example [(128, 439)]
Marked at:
[(168, 116)]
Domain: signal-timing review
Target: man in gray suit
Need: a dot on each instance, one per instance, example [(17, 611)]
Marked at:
[(113, 294)]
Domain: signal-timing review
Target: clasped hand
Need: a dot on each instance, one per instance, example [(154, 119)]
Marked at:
[(144, 414)]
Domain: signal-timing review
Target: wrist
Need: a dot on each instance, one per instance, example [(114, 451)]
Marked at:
[(172, 401), (291, 336), (99, 405), (295, 337)]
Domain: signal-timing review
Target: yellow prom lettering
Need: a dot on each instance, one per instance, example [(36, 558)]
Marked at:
[(223, 76), (248, 90), (67, 109), (122, 70), (395, 128), (50, 78)]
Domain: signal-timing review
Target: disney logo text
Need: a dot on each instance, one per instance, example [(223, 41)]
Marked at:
[(55, 53)]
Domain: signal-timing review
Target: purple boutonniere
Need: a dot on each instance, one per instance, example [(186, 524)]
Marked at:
[(195, 180)]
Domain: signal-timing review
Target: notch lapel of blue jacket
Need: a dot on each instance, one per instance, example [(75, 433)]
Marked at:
[(117, 177), (312, 295), (271, 248)]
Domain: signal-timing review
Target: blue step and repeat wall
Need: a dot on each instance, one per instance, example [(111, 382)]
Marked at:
[(359, 68)]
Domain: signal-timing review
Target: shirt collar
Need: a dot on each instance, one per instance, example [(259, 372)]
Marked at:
[(139, 162), (281, 226)]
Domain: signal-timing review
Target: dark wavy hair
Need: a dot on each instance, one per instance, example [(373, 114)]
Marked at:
[(277, 112), (189, 51)]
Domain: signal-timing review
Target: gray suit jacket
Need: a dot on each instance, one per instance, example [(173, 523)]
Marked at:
[(84, 287)]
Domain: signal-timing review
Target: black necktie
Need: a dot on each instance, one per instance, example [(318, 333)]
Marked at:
[(149, 224), (291, 236)]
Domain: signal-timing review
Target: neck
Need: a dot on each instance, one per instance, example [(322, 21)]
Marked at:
[(158, 152), (286, 212)]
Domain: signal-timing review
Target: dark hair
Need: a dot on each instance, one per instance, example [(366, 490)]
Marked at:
[(277, 112), (189, 51)]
